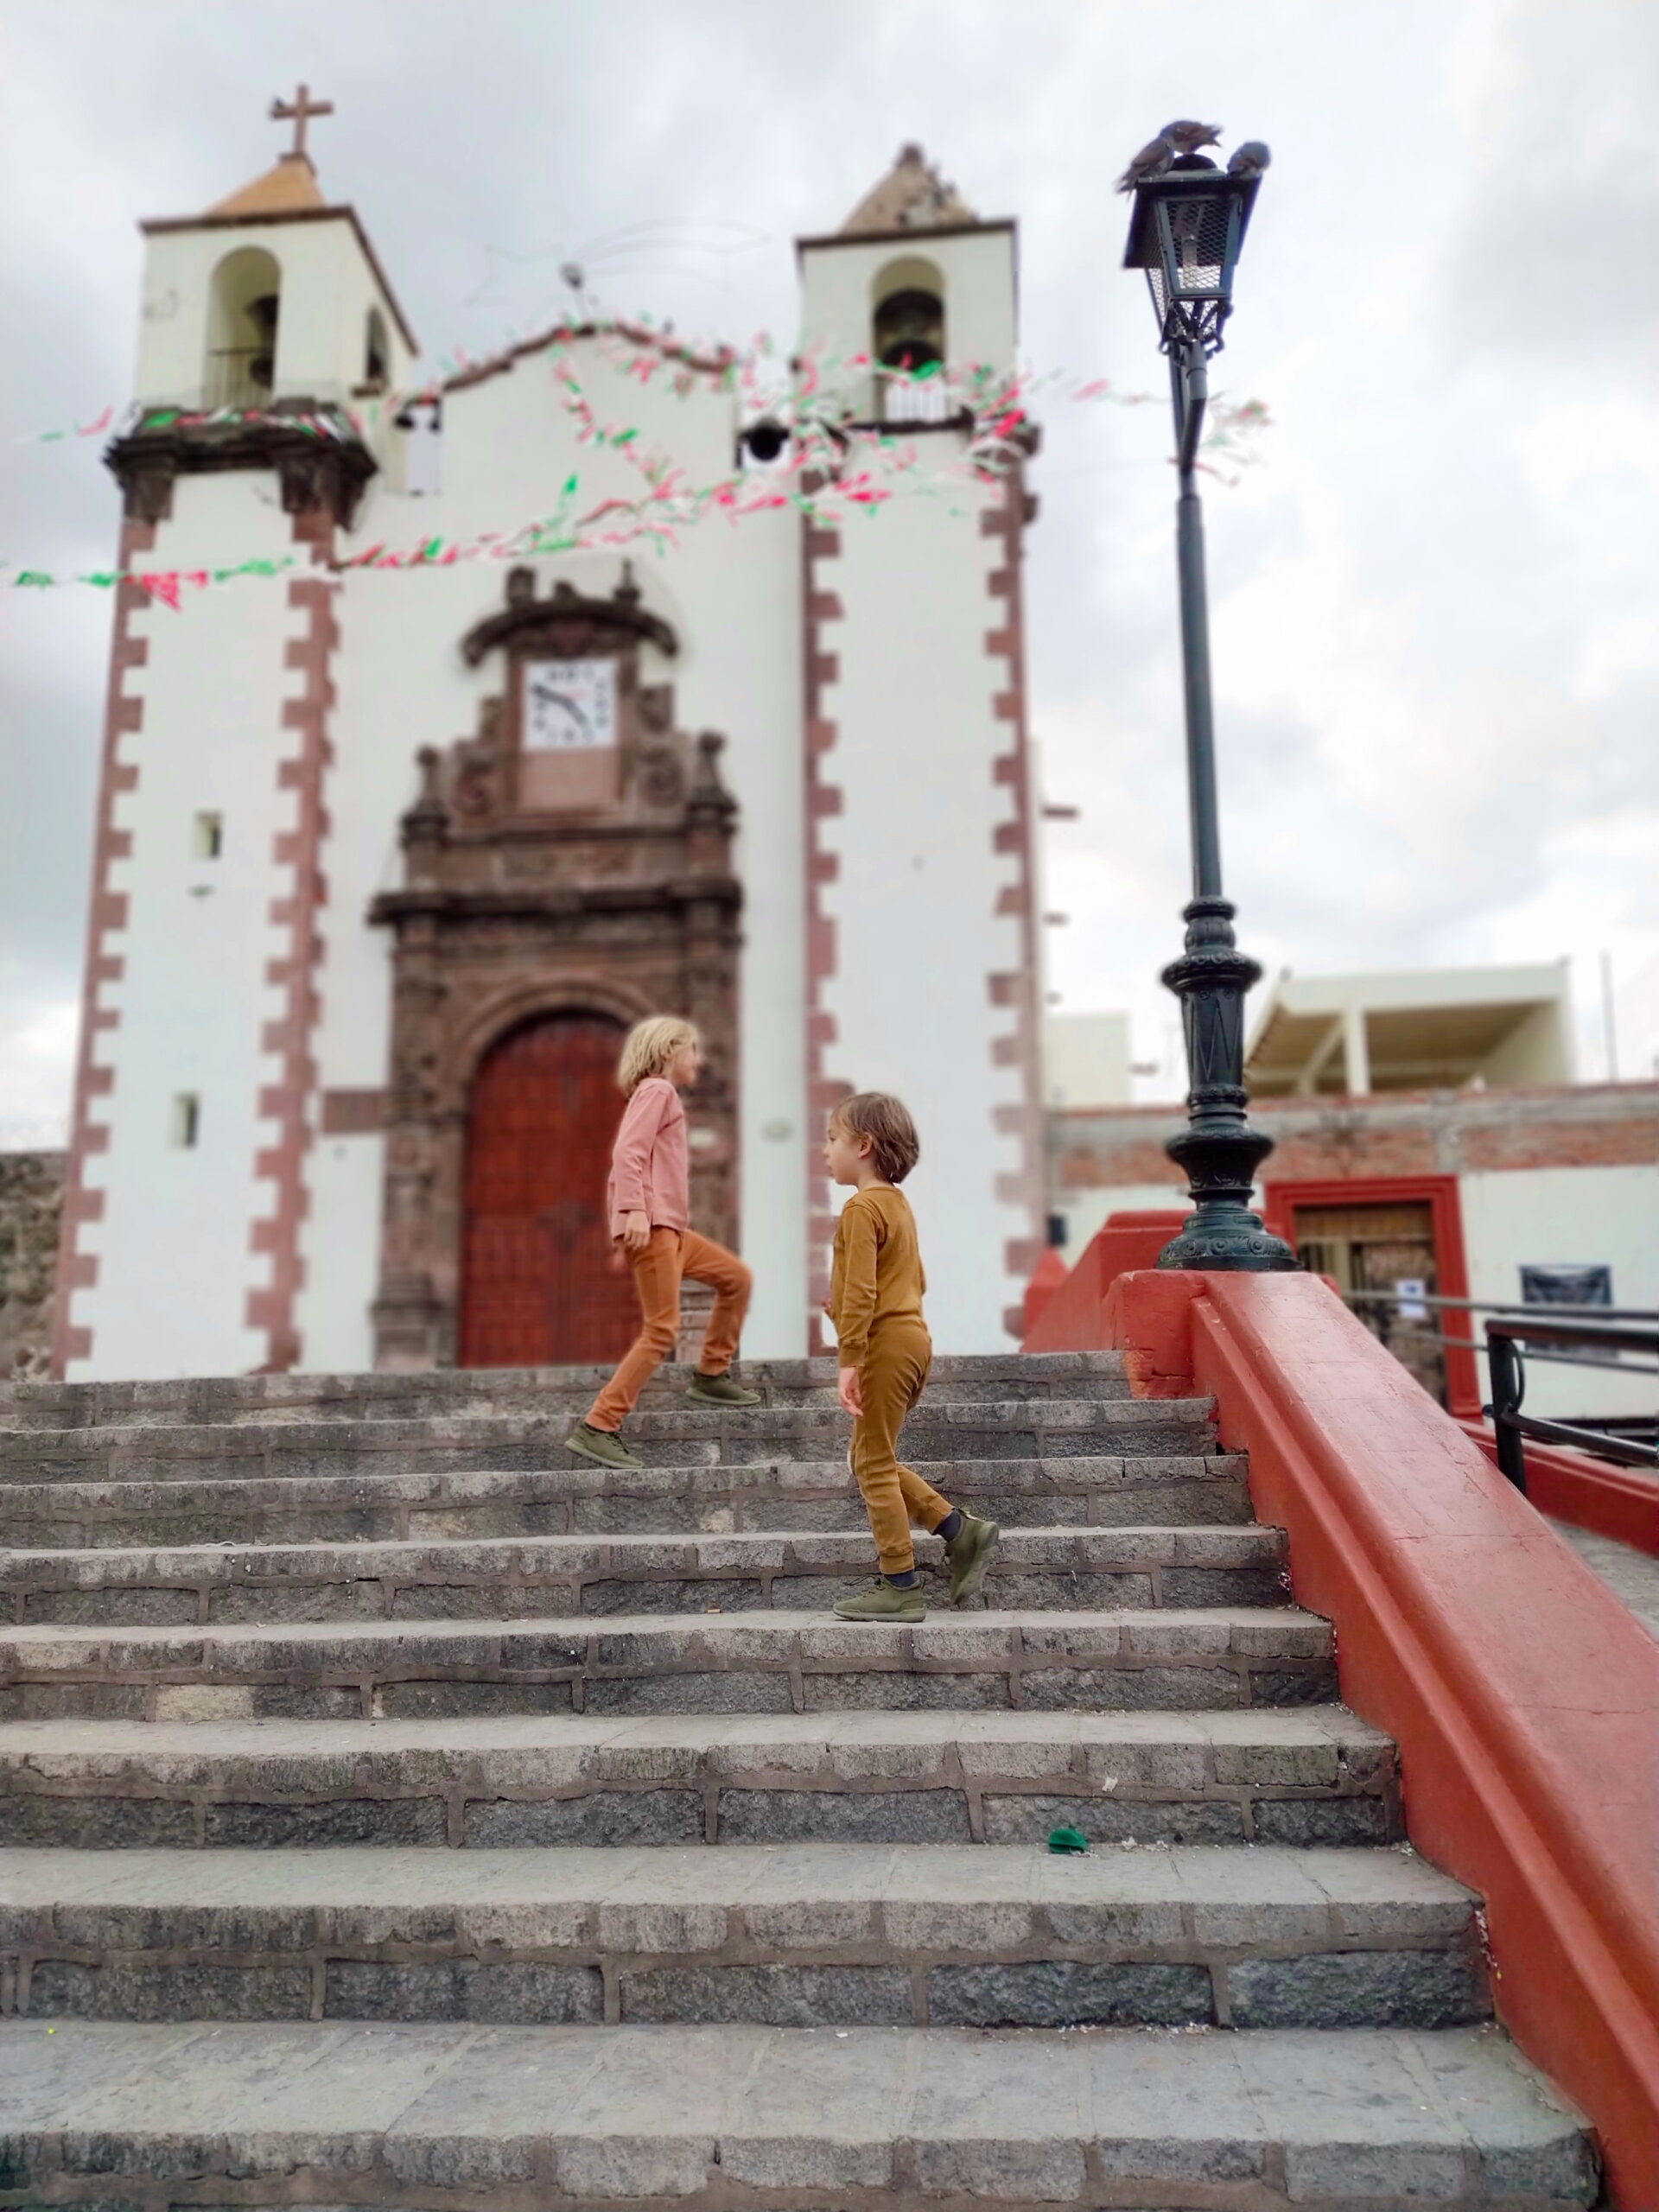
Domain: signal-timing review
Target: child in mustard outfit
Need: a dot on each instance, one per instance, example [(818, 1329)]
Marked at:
[(875, 1302)]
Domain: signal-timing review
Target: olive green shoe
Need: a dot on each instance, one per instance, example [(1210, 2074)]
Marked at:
[(969, 1554), (880, 1601), (603, 1445), (720, 1390)]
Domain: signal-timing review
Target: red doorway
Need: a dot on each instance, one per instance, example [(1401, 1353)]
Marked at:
[(537, 1286), (1294, 1211)]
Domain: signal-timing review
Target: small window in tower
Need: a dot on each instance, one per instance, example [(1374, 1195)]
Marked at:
[(208, 837), (377, 353), (187, 1120), (909, 343)]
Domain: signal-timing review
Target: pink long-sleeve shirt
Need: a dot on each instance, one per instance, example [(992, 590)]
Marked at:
[(651, 1161)]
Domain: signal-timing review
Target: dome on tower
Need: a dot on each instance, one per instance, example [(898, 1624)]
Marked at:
[(912, 196), (291, 185)]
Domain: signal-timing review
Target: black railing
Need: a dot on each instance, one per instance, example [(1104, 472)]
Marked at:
[(240, 376), (1572, 1338)]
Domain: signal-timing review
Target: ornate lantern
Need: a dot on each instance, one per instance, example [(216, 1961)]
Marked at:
[(1186, 232)]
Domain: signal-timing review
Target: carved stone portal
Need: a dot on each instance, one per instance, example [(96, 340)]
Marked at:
[(594, 876)]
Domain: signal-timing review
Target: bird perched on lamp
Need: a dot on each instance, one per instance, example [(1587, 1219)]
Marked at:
[(1252, 157), (1155, 156)]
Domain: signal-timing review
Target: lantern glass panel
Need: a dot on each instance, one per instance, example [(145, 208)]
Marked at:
[(1193, 234)]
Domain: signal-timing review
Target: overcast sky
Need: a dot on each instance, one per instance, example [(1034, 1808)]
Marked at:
[(1433, 602)]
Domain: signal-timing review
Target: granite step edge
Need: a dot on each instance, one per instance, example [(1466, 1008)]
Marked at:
[(712, 2118), (976, 1936)]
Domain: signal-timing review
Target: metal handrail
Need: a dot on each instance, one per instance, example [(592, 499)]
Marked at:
[(1506, 1365), (1488, 1306)]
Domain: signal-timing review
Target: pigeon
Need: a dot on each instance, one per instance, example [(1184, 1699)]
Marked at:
[(1154, 158), (1250, 159), (1189, 137)]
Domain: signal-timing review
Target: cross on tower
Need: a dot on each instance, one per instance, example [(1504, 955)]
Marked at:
[(299, 111)]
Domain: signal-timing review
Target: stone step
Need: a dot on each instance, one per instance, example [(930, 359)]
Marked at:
[(507, 1577), (321, 2113), (777, 1662), (824, 1935), (1007, 1428), (1312, 1775), (216, 1399), (578, 1498)]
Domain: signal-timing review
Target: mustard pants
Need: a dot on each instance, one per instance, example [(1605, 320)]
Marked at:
[(893, 1373)]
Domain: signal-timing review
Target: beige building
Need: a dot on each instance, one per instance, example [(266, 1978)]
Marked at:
[(1418, 1029)]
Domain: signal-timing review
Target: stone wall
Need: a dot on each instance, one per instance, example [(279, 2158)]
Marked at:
[(31, 1199)]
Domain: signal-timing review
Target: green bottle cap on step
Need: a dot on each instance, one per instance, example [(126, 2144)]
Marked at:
[(1068, 1839)]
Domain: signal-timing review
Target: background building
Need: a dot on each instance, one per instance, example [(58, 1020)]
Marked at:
[(1416, 1029), (1469, 1167)]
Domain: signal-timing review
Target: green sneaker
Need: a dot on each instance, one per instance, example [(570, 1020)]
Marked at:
[(880, 1601), (720, 1390), (969, 1555), (603, 1445)]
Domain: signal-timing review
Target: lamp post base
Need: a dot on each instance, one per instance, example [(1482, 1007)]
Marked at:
[(1228, 1237), (1219, 1149)]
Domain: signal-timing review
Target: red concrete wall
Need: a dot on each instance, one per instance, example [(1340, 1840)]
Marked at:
[(1067, 1315), (1523, 1696)]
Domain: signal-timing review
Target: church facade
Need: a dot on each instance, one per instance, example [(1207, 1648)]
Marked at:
[(387, 858)]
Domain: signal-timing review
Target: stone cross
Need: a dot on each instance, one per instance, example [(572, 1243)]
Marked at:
[(300, 110)]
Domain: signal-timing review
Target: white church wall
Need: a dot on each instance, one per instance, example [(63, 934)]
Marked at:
[(327, 289), (914, 897), (173, 1262), (731, 593)]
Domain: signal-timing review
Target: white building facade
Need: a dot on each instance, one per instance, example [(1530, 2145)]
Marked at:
[(387, 858)]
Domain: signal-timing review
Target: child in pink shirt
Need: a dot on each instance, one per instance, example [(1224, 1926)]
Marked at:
[(648, 1203)]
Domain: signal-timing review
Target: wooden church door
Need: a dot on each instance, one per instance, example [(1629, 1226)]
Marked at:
[(537, 1285)]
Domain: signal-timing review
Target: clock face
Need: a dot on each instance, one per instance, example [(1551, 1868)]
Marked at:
[(568, 704)]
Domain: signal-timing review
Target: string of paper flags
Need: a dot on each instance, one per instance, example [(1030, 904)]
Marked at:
[(825, 462)]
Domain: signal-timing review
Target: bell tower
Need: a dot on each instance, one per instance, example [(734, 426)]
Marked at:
[(918, 767), (267, 325)]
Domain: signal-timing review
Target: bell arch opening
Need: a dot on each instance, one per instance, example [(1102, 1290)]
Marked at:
[(245, 307), (377, 351), (908, 338)]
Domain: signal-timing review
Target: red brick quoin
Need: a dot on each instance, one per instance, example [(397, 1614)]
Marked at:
[(298, 850), (107, 922), (822, 798), (1016, 989)]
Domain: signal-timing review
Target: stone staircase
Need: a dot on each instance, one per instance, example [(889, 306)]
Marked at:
[(395, 1811)]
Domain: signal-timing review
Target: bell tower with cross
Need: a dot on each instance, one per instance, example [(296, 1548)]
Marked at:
[(268, 330), (272, 298)]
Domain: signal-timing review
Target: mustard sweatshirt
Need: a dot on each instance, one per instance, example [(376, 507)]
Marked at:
[(878, 1275)]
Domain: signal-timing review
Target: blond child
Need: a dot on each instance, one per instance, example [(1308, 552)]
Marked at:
[(647, 1202), (875, 1302)]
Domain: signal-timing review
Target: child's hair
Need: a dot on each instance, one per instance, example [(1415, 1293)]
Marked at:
[(652, 1045), (894, 1146)]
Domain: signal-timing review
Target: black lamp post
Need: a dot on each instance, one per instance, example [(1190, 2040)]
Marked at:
[(1186, 232)]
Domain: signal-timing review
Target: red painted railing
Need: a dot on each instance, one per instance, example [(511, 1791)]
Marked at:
[(1523, 1696)]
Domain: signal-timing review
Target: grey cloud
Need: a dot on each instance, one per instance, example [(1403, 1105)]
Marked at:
[(1412, 299)]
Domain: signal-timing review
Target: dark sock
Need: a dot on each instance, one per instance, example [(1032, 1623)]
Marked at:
[(950, 1526), (592, 1431), (907, 1580)]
